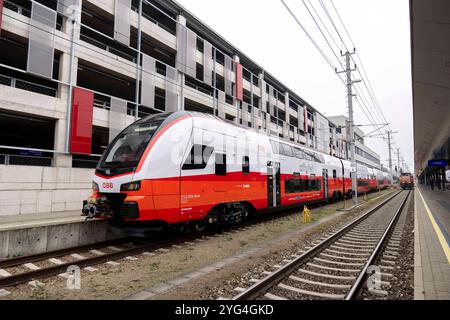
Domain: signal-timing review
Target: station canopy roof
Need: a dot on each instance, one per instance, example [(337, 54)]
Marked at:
[(430, 48)]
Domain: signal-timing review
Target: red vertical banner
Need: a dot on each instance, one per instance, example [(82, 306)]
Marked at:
[(239, 82), (82, 114), (1, 15)]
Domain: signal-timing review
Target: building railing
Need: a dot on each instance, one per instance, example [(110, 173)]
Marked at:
[(28, 86), (84, 163), (16, 8), (106, 47), (23, 11), (41, 157), (23, 160)]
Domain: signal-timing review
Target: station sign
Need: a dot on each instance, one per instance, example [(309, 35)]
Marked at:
[(437, 163)]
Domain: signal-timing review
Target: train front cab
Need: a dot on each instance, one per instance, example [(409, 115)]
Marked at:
[(130, 185)]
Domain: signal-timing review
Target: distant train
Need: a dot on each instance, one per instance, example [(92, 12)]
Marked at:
[(406, 181), (191, 168)]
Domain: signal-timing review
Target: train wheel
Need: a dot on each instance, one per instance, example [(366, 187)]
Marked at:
[(199, 226)]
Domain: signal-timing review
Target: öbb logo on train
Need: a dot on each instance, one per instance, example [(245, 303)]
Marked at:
[(108, 185)]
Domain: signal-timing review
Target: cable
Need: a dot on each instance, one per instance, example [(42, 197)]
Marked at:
[(320, 29), (309, 36), (371, 91)]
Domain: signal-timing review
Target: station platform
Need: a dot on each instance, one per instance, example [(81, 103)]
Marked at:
[(432, 244), (37, 233)]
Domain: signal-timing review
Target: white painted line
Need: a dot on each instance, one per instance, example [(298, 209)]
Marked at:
[(239, 289), (31, 266), (4, 273), (90, 269), (254, 280), (56, 261)]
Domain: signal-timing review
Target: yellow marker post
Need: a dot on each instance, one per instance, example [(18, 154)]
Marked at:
[(306, 216)]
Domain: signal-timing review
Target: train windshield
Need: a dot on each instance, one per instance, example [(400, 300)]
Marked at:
[(127, 148)]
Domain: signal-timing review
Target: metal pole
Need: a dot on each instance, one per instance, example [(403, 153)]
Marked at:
[(215, 101), (252, 115), (69, 96), (398, 162), (390, 151), (138, 60), (351, 126)]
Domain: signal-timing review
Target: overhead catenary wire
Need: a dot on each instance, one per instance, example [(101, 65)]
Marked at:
[(368, 85), (309, 36), (368, 102)]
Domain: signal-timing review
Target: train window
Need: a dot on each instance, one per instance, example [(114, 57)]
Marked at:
[(198, 157), (294, 185), (275, 147), (334, 174), (245, 165), (286, 150), (221, 164), (299, 153), (314, 185)]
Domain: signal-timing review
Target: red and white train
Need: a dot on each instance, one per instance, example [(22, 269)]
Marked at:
[(187, 167)]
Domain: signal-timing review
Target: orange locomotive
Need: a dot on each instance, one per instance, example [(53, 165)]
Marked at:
[(406, 181), (187, 167)]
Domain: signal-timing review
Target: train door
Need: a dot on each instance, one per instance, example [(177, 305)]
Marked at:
[(325, 183), (273, 184)]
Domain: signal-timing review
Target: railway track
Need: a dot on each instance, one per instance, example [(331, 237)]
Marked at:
[(31, 268), (337, 267)]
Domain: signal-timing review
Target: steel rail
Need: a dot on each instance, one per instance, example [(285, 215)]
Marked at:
[(16, 279), (266, 283), (62, 268), (12, 262), (357, 285)]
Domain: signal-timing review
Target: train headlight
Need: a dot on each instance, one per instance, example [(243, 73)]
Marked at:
[(94, 186), (132, 186)]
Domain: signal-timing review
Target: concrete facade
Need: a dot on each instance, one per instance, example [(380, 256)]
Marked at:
[(363, 154)]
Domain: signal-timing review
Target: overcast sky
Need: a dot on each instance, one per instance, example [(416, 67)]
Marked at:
[(265, 31)]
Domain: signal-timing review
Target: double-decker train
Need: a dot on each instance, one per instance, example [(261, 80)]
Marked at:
[(191, 168)]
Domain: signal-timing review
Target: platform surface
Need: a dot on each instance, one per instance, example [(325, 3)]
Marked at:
[(432, 244), (22, 221)]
